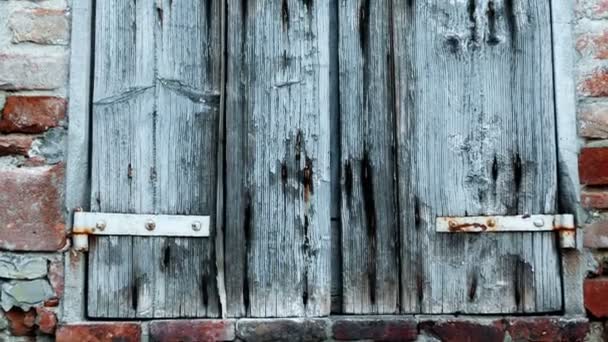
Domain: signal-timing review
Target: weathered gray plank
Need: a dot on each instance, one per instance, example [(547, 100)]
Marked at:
[(155, 125), (370, 268), (476, 130), (122, 110), (277, 159), (186, 131), (334, 142), (568, 146)]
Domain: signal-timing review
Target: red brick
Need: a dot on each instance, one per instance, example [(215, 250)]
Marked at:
[(594, 84), (21, 323), (377, 329), (285, 329), (596, 296), (593, 120), (51, 303), (596, 235), (547, 329), (594, 44), (46, 321), (40, 25), (31, 114), (56, 276), (15, 144), (464, 331), (592, 8), (30, 209), (593, 165), (192, 330), (595, 198), (23, 71), (100, 332)]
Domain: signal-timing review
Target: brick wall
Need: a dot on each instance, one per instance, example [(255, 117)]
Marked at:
[(34, 38), (592, 91), (33, 79)]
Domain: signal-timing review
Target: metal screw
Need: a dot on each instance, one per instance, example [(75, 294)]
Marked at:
[(539, 223), (452, 224), (196, 226), (491, 222), (150, 225), (101, 225)]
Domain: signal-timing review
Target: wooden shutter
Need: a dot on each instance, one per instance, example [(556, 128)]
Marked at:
[(277, 158), (155, 137), (446, 110)]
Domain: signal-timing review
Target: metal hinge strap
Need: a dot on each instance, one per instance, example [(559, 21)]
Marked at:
[(86, 223), (564, 224)]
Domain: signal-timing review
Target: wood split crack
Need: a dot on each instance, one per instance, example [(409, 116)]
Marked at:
[(367, 185), (247, 222), (473, 22), (285, 14), (493, 38), (364, 10)]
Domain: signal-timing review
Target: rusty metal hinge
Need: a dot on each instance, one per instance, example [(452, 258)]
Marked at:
[(86, 224), (563, 224)]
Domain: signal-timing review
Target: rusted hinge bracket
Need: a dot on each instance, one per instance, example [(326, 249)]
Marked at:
[(563, 224), (86, 224)]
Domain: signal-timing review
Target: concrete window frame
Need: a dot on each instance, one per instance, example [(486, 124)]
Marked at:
[(77, 194)]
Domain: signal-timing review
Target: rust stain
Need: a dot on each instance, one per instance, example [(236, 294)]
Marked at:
[(467, 227), (307, 179), (83, 231)]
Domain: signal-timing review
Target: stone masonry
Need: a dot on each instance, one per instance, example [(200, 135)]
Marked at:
[(33, 97)]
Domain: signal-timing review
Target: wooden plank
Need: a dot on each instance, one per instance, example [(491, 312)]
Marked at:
[(334, 142), (563, 14), (123, 106), (155, 117), (189, 55), (77, 188), (277, 159), (370, 269), (476, 136)]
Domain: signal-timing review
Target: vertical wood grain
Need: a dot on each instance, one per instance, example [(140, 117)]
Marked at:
[(277, 158), (370, 269), (155, 117), (476, 134)]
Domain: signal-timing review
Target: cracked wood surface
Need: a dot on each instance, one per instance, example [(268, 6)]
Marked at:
[(370, 244), (476, 136), (155, 124), (443, 106), (277, 158)]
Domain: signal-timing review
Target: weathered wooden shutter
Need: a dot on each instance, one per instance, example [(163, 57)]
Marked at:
[(446, 110), (277, 158), (155, 137)]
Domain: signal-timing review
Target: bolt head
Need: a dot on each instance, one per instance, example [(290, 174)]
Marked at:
[(539, 223), (150, 225), (101, 225), (196, 226), (491, 222)]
